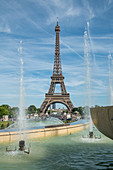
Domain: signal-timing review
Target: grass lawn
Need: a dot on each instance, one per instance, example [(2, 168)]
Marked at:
[(4, 124)]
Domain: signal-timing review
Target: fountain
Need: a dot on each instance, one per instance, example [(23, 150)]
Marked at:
[(87, 58), (110, 74), (21, 117)]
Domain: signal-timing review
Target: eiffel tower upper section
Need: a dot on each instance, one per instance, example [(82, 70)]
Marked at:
[(57, 77), (57, 69)]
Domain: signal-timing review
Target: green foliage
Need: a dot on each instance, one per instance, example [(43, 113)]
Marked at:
[(38, 110), (13, 112), (66, 111), (31, 109), (7, 110), (6, 106), (78, 109), (74, 109), (4, 124), (3, 111), (8, 124), (96, 106)]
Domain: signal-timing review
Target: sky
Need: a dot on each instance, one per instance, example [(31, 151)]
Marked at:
[(33, 22)]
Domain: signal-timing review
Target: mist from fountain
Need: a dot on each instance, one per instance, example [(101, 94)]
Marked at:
[(87, 60)]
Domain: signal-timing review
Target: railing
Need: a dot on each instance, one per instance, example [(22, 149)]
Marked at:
[(57, 94)]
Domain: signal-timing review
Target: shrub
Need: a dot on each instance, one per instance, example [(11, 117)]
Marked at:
[(2, 126), (8, 124)]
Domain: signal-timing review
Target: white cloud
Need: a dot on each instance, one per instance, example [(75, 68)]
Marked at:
[(5, 28), (90, 14), (73, 11), (74, 83)]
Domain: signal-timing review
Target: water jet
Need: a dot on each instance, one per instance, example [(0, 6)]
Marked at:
[(87, 59), (21, 116)]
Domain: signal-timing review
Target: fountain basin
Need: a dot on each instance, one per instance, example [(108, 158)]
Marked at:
[(9, 136)]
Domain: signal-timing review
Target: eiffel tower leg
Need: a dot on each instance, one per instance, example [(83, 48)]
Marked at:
[(43, 107), (52, 88), (70, 105), (63, 89)]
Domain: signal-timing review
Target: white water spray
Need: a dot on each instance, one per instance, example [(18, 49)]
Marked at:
[(21, 116), (110, 67), (87, 58)]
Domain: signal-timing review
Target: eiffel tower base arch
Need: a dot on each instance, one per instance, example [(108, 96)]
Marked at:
[(50, 99)]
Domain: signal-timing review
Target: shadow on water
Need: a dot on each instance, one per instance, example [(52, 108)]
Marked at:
[(105, 165)]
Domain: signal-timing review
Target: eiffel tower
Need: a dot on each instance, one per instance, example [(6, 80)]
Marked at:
[(57, 78)]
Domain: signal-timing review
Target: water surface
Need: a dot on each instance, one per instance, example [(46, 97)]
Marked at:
[(61, 153)]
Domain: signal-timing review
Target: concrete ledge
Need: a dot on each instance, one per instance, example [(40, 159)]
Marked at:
[(103, 119), (46, 132)]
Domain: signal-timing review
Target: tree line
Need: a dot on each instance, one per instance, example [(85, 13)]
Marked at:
[(12, 112)]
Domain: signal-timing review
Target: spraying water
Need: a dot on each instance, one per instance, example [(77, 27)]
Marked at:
[(110, 67), (87, 59), (21, 116)]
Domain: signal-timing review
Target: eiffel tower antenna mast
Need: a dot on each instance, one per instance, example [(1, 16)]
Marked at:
[(57, 20)]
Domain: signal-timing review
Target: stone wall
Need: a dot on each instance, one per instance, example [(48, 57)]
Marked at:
[(38, 133)]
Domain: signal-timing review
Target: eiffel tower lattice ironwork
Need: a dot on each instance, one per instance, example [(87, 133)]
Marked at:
[(57, 78)]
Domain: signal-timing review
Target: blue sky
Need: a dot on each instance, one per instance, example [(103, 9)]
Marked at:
[(33, 22)]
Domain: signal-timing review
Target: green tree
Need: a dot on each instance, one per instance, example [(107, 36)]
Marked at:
[(74, 109), (6, 106), (66, 111), (2, 126), (13, 112), (96, 106), (31, 109), (3, 111), (80, 110), (8, 124), (38, 110)]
